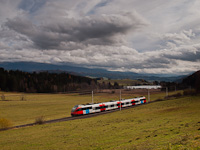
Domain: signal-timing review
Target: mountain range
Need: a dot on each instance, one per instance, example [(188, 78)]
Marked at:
[(90, 72)]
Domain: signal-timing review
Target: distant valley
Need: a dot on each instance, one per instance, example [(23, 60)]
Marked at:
[(96, 73)]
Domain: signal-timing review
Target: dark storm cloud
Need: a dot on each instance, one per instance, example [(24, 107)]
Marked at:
[(41, 38), (21, 26), (95, 30)]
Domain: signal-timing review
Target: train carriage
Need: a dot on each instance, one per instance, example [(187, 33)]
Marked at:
[(106, 106)]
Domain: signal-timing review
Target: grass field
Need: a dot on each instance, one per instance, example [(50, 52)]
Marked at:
[(50, 106), (170, 124)]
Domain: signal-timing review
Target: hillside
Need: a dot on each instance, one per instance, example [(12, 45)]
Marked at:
[(83, 71), (126, 82), (193, 80), (171, 124), (42, 82)]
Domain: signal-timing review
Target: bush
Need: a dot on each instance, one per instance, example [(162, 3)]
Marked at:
[(5, 123), (23, 98), (113, 92), (159, 99), (190, 92), (3, 97), (39, 120), (177, 95)]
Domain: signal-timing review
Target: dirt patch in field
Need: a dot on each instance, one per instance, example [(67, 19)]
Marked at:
[(171, 109)]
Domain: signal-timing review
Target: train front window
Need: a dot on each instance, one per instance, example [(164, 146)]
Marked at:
[(74, 108)]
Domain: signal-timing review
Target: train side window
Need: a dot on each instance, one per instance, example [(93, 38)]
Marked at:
[(111, 105), (88, 108), (119, 104), (127, 102)]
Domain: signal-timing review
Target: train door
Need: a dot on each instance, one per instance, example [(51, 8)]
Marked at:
[(133, 102), (119, 104), (102, 107)]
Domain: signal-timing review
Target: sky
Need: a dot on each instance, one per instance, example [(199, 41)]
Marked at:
[(142, 36)]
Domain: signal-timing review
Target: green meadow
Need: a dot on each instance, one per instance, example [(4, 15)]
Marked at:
[(168, 124)]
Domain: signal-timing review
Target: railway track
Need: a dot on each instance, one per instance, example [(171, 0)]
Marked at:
[(74, 118)]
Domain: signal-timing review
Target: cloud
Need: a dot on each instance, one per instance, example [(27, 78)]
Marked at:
[(114, 58), (179, 38), (8, 9), (146, 37), (181, 46), (31, 6), (185, 53), (64, 34)]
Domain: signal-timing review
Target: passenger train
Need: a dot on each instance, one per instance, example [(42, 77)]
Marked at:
[(94, 108)]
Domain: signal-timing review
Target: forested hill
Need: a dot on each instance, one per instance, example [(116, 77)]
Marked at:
[(43, 82), (193, 80)]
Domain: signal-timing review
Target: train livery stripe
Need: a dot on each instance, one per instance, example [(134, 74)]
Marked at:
[(79, 112), (87, 111)]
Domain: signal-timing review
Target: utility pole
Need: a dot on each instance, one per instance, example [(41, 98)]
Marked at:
[(166, 91), (120, 101), (92, 97), (149, 96)]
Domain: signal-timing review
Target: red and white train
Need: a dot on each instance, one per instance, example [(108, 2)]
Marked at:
[(94, 108)]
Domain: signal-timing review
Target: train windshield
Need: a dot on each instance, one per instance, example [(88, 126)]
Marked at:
[(74, 108)]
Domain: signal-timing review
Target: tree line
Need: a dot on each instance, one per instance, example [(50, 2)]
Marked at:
[(43, 82)]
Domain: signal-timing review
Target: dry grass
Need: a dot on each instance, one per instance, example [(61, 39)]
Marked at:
[(170, 124), (5, 123), (54, 106)]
